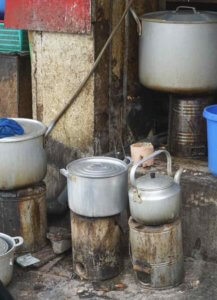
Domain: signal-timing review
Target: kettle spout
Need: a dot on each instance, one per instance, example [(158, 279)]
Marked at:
[(177, 176)]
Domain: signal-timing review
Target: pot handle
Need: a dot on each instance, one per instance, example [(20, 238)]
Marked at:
[(138, 22), (139, 163), (18, 241), (64, 172), (49, 128), (186, 7), (128, 161)]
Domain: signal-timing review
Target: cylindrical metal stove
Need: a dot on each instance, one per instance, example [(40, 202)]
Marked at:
[(96, 247), (23, 213), (187, 128), (157, 254)]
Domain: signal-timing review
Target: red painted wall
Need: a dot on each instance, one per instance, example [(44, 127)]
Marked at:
[(49, 15)]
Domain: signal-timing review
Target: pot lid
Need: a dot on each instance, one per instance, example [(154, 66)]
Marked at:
[(182, 15), (3, 246), (154, 181), (97, 167)]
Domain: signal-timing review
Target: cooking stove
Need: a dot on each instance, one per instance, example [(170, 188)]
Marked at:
[(96, 247), (187, 128), (23, 213), (157, 254)]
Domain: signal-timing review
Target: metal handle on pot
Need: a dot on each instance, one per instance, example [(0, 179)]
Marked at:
[(139, 163), (49, 128), (18, 241), (128, 161), (186, 7), (64, 172), (138, 22)]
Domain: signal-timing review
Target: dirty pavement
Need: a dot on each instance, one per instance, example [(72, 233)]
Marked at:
[(60, 283)]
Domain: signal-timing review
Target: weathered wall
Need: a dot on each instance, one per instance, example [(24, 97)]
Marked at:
[(59, 64), (116, 77), (146, 109), (101, 29), (199, 210)]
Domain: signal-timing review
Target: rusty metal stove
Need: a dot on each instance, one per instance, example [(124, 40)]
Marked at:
[(157, 254), (96, 247), (187, 128), (23, 213)]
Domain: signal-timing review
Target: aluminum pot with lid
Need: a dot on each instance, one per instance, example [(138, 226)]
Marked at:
[(8, 247), (177, 50), (23, 158), (155, 198), (97, 186)]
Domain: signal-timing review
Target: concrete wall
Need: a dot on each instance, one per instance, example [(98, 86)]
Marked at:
[(59, 64)]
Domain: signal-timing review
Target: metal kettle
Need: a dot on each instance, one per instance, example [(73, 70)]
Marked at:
[(155, 198)]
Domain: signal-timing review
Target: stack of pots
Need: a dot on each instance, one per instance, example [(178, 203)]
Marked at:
[(22, 193), (97, 194), (155, 226)]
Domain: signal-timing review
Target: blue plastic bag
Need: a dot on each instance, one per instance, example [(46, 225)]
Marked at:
[(9, 127)]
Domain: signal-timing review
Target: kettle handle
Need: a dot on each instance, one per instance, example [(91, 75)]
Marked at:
[(139, 163)]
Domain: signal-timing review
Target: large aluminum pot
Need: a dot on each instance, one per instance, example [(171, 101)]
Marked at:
[(7, 259), (177, 50), (23, 159), (155, 199), (97, 186)]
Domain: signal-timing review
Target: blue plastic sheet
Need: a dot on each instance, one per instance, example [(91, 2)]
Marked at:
[(9, 127)]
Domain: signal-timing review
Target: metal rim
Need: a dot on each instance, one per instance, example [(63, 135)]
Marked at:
[(146, 18), (9, 241), (3, 246), (107, 167), (40, 131), (144, 229)]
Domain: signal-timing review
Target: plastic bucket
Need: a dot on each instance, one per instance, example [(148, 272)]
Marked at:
[(210, 114), (2, 9)]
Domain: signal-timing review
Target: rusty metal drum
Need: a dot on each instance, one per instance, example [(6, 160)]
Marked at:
[(187, 128), (96, 247), (23, 213), (157, 254)]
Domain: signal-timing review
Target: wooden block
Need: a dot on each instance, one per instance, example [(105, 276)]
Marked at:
[(15, 86)]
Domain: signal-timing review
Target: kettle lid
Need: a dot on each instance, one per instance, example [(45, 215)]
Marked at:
[(154, 181)]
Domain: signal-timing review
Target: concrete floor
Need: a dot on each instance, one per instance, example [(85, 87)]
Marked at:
[(60, 283)]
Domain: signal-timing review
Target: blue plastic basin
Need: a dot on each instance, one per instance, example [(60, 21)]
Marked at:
[(2, 9), (210, 114)]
